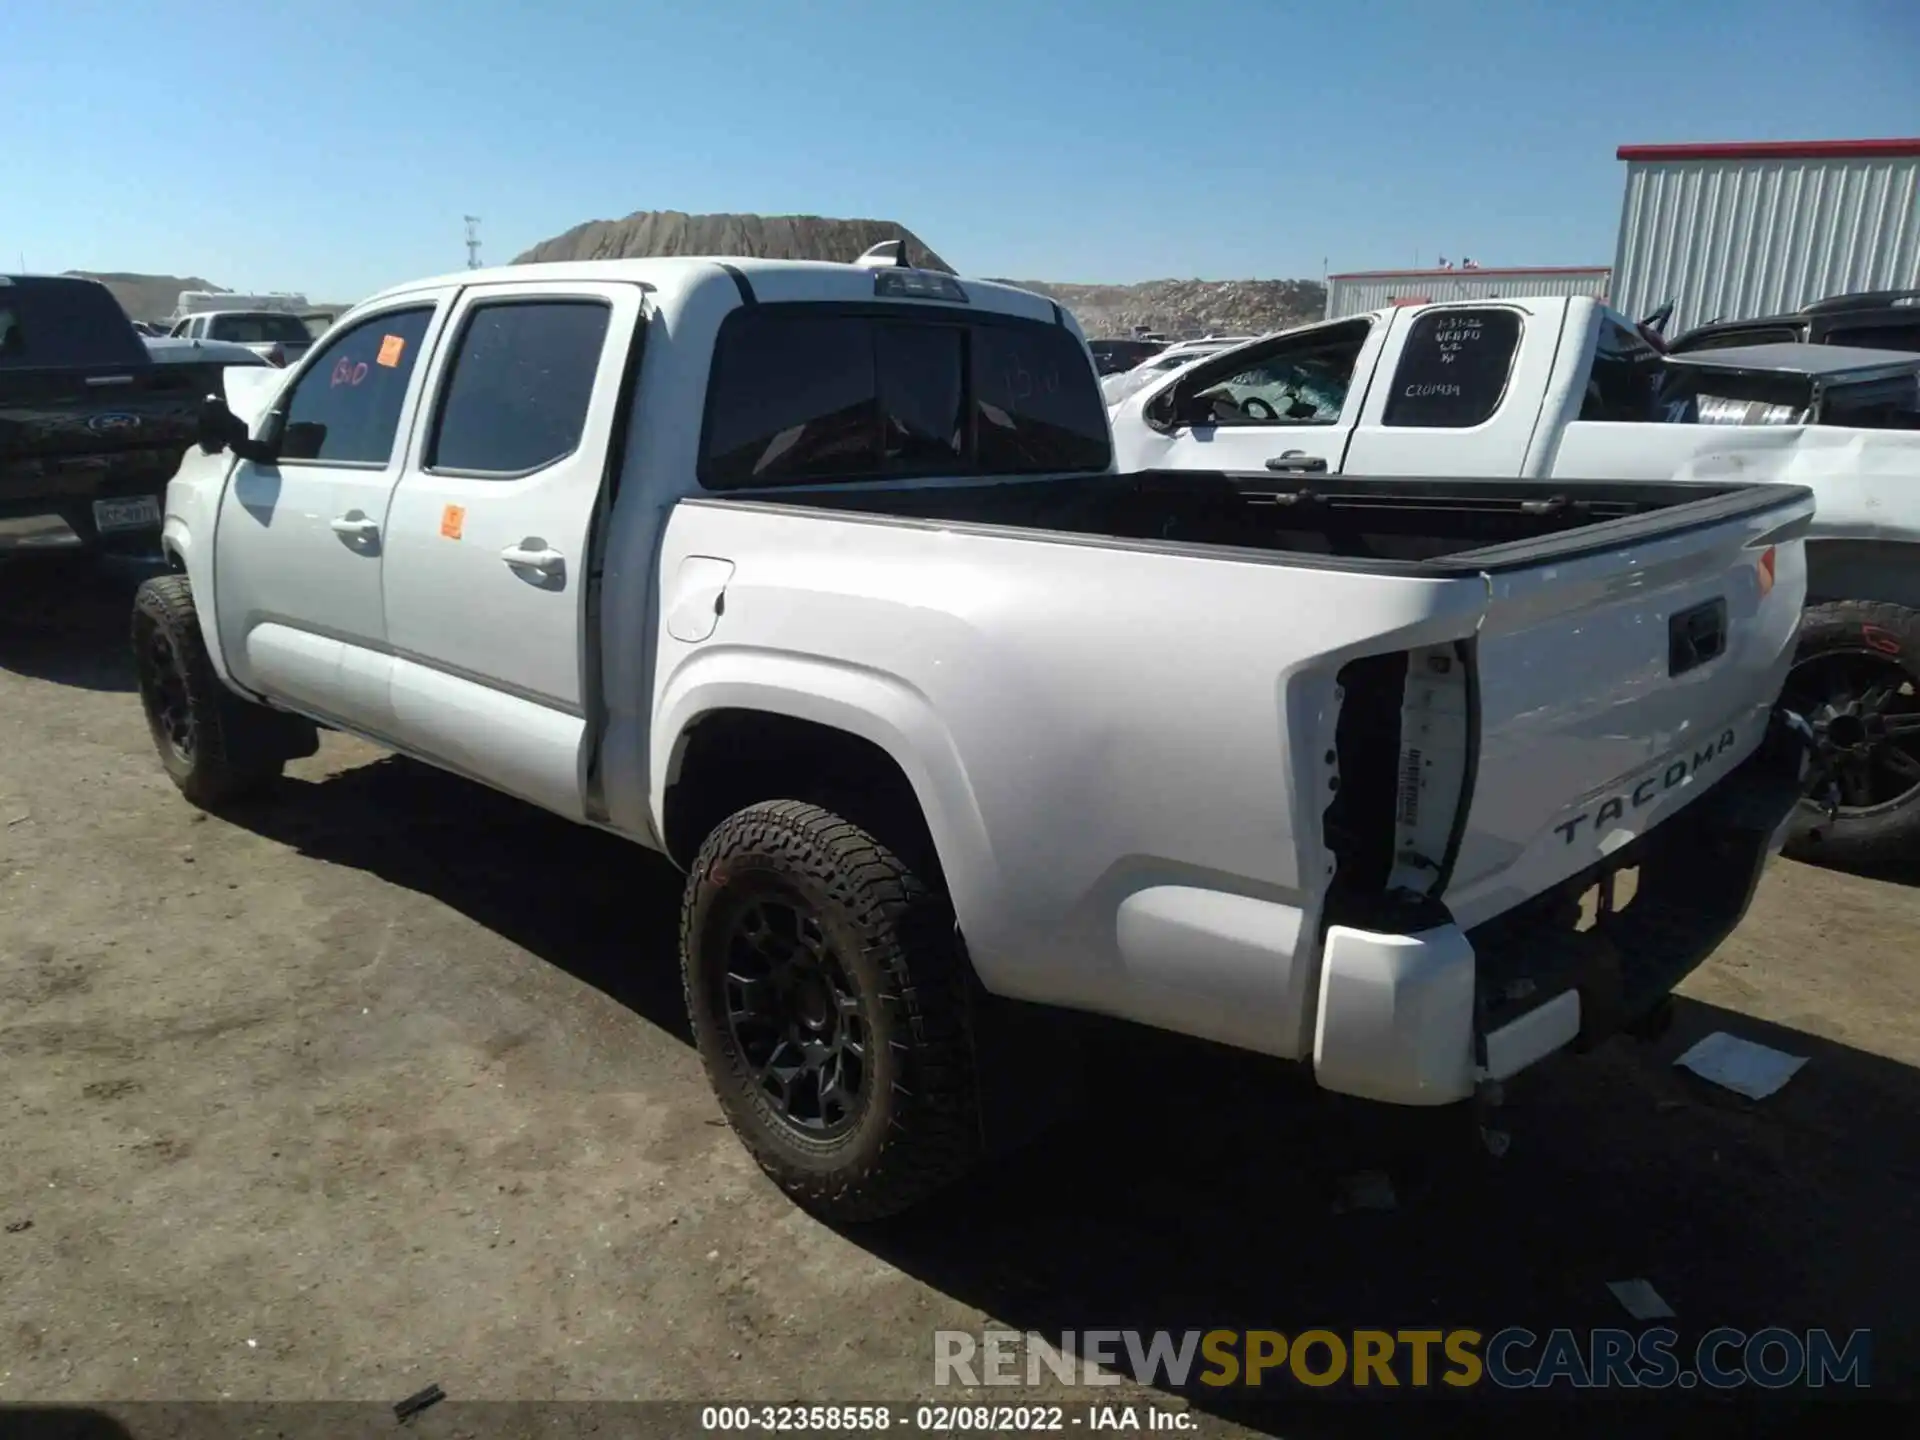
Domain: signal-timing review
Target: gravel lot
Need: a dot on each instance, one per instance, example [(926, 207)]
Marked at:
[(387, 1082)]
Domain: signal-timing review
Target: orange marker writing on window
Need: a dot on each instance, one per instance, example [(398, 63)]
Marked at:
[(452, 518), (392, 347)]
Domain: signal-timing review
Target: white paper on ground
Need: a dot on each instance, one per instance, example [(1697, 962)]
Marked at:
[(1755, 1071), (1641, 1300)]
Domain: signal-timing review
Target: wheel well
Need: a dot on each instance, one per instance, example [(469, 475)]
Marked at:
[(735, 758), (1884, 570)]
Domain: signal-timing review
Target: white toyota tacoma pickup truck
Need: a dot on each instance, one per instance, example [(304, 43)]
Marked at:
[(820, 579), (1554, 390)]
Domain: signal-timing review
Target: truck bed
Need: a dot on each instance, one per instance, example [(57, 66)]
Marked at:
[(1404, 526), (1325, 695)]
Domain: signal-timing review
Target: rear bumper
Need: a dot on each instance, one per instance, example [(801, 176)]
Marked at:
[(1420, 1019), (54, 509)]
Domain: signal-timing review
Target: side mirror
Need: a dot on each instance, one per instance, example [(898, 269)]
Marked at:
[(1180, 405), (217, 428)]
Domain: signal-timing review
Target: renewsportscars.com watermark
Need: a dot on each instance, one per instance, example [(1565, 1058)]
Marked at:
[(1510, 1359)]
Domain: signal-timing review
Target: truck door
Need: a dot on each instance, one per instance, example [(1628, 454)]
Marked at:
[(300, 542), (1461, 390), (490, 533), (1285, 405)]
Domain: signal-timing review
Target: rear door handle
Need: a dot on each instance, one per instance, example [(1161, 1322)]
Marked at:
[(1297, 462), (535, 555), (355, 526)]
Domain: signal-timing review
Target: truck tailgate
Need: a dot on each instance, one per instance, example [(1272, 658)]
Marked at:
[(56, 419), (1615, 687)]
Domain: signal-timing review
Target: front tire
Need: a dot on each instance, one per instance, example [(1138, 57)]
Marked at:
[(825, 986), (1856, 679), (215, 746)]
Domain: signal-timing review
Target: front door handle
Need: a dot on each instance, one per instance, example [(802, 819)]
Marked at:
[(535, 555), (1298, 462), (355, 526)]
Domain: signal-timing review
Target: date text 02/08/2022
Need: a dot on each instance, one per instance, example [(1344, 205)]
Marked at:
[(940, 1419)]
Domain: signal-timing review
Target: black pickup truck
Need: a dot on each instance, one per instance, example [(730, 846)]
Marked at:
[(91, 427), (1869, 320)]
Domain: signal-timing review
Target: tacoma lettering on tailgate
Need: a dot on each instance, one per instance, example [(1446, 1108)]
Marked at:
[(1615, 806)]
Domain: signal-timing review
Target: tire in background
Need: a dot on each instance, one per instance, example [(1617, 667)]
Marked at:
[(1850, 649)]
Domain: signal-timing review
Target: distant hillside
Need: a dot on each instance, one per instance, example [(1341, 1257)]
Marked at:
[(145, 297), (1188, 307), (772, 237), (152, 297)]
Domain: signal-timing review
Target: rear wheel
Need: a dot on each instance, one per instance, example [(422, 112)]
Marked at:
[(1856, 680), (215, 746), (824, 983)]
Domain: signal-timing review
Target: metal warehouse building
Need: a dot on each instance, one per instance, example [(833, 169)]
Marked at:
[(1363, 290), (1730, 232)]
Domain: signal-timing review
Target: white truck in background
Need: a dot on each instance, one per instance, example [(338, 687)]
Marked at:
[(821, 580), (1554, 391)]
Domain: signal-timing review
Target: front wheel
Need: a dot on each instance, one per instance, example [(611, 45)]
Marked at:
[(215, 746), (1856, 680), (825, 986)]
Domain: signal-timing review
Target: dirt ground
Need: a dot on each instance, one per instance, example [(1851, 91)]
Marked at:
[(387, 1083)]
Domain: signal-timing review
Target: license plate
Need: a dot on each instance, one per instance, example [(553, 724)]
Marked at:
[(142, 512)]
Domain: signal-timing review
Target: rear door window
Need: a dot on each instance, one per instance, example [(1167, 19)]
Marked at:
[(809, 394), (1453, 369), (522, 378)]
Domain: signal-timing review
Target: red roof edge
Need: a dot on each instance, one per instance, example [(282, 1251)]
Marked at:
[(1487, 270), (1775, 150)]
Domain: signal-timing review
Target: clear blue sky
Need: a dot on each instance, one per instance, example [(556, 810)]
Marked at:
[(333, 148)]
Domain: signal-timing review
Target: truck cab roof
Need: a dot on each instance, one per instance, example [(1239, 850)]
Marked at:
[(677, 279)]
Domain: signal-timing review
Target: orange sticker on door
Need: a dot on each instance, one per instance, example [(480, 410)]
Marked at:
[(452, 519), (392, 347)]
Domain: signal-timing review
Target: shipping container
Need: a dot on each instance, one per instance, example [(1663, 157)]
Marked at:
[(1363, 290), (1733, 232)]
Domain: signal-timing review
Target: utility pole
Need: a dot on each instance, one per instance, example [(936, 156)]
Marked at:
[(473, 241)]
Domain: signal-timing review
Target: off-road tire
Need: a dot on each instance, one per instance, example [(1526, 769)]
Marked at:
[(1887, 835), (918, 1128), (236, 747)]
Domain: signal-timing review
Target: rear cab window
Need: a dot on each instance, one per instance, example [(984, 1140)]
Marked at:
[(65, 324), (816, 393), (1888, 335), (1453, 369), (264, 329)]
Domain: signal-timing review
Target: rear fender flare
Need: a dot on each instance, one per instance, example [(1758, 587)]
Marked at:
[(875, 707)]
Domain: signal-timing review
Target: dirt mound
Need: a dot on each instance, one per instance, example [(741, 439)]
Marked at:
[(1188, 307), (772, 237)]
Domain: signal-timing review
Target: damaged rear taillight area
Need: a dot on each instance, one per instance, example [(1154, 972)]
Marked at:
[(1414, 1008), (1405, 749)]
